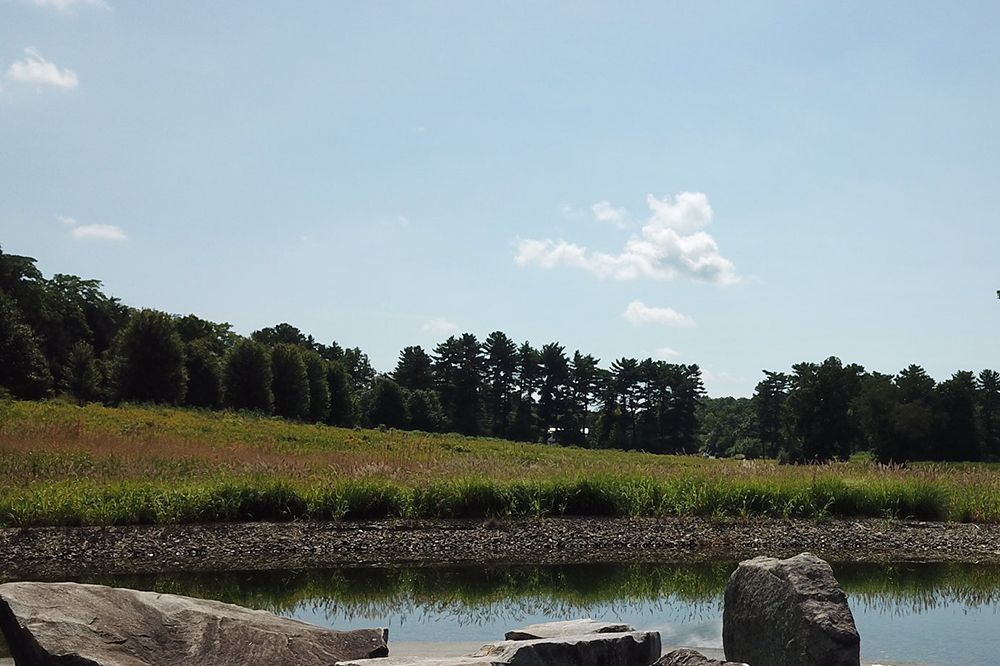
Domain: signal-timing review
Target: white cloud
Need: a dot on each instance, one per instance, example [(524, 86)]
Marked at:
[(36, 69), (664, 353), (547, 254), (604, 212), (63, 5), (439, 325), (638, 312), (101, 231), (664, 249), (66, 220)]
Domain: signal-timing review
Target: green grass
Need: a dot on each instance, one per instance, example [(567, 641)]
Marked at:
[(65, 465)]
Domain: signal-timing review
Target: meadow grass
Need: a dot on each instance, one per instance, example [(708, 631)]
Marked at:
[(66, 465)]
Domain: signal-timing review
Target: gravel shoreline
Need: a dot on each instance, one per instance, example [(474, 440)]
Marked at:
[(71, 551)]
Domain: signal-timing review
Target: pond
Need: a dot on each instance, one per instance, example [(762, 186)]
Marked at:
[(926, 613)]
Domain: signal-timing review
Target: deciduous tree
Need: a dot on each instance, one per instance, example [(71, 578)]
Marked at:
[(388, 405)]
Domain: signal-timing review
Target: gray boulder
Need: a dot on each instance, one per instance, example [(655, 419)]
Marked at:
[(91, 625), (688, 657), (788, 613), (566, 628), (636, 648)]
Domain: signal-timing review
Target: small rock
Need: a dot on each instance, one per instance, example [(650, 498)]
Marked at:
[(687, 657)]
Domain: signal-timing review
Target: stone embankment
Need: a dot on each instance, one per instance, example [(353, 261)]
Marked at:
[(61, 551)]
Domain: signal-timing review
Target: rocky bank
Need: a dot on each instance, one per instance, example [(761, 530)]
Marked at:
[(63, 551)]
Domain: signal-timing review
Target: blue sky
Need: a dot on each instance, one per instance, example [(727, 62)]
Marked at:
[(739, 185)]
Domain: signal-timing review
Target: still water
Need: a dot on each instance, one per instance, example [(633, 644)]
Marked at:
[(926, 613)]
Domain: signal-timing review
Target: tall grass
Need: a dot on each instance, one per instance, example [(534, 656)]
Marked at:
[(65, 465)]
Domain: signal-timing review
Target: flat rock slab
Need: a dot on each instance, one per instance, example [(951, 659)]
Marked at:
[(788, 613), (465, 660), (566, 628), (688, 657), (636, 648), (92, 625)]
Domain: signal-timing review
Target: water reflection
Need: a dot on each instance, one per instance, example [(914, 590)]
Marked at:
[(913, 612)]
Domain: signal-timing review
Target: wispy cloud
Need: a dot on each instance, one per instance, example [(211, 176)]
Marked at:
[(638, 312), (665, 353), (63, 5), (670, 245), (439, 325), (66, 220), (569, 212), (98, 231), (605, 212), (33, 68)]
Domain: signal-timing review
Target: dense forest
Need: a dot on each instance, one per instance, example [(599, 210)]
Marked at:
[(64, 336)]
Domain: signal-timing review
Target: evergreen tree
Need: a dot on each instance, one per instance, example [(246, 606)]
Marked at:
[(988, 398), (290, 382), (875, 407), (769, 401), (499, 368), (523, 428), (148, 360), (247, 376), (958, 438), (622, 401), (916, 415), (204, 374), (819, 409), (458, 363), (319, 388), (553, 398), (413, 369), (81, 375), (585, 383), (679, 407), (342, 398)]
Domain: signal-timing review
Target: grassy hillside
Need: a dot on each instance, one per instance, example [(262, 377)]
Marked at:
[(65, 465)]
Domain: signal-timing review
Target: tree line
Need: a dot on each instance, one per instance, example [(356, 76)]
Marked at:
[(829, 410), (64, 335)]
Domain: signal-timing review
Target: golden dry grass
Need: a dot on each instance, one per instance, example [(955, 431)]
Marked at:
[(65, 464)]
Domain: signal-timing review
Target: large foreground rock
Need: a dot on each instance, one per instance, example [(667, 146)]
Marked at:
[(688, 657), (91, 625), (788, 613), (566, 628)]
